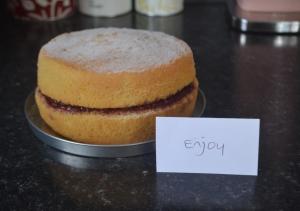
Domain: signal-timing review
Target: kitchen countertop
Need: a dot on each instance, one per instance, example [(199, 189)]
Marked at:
[(242, 75)]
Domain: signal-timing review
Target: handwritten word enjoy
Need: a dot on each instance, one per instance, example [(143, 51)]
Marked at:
[(202, 145)]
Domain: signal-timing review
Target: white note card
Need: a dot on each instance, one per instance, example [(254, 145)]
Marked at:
[(207, 145)]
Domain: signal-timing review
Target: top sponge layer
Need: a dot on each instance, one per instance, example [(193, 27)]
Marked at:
[(116, 49)]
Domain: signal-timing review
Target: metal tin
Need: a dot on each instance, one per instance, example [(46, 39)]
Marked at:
[(270, 22), (44, 133)]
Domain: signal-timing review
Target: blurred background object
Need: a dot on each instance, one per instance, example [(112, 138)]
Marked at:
[(267, 16), (170, 25), (105, 8), (42, 10), (270, 5), (159, 7)]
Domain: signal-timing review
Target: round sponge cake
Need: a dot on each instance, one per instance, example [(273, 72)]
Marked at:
[(107, 85)]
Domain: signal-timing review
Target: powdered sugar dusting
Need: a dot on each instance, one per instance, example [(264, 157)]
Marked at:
[(116, 49)]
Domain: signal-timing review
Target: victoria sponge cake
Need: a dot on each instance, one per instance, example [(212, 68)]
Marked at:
[(107, 85)]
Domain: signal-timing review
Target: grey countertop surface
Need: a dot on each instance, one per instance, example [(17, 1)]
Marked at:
[(242, 75)]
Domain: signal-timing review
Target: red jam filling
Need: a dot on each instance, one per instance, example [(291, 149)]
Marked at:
[(139, 108)]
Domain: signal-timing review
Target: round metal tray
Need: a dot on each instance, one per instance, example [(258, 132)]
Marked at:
[(44, 133)]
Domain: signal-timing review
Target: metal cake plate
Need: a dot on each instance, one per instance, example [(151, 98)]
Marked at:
[(45, 134), (269, 22)]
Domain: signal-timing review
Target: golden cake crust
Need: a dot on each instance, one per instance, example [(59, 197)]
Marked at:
[(114, 69)]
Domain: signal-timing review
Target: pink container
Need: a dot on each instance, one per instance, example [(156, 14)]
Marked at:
[(42, 10), (270, 5)]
